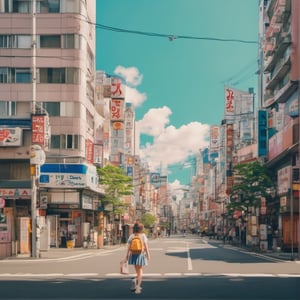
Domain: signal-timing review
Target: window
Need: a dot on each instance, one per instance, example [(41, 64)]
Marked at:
[(71, 41), (20, 6), (5, 41), (70, 6), (48, 6), (59, 75), (8, 108), (55, 141), (68, 141), (70, 109), (52, 75), (23, 76), (72, 75), (52, 108), (15, 41), (4, 75), (23, 41), (50, 41)]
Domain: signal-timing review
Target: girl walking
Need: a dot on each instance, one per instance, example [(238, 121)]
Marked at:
[(140, 258)]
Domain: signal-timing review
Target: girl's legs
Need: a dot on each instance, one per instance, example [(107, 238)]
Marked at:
[(139, 274)]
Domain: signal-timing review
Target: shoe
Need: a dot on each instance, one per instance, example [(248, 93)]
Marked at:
[(133, 284), (138, 289)]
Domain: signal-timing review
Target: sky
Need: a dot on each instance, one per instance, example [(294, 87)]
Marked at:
[(176, 57)]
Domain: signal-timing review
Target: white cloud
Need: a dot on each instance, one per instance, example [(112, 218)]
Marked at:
[(131, 75), (170, 145), (155, 121), (133, 96)]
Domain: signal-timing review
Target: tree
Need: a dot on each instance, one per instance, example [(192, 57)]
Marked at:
[(116, 184), (148, 220), (251, 182)]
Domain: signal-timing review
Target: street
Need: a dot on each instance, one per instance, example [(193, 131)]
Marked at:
[(180, 268)]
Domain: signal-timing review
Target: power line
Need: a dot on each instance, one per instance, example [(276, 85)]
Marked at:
[(171, 37)]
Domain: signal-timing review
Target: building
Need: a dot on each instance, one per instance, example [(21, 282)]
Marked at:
[(280, 74), (47, 77)]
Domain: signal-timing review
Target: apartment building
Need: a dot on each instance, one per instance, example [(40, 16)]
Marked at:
[(47, 97), (281, 102)]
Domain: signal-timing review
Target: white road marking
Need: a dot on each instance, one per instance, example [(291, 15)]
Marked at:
[(189, 260), (146, 275)]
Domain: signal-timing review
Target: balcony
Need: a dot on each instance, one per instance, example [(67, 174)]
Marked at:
[(283, 141), (282, 43), (269, 48), (282, 68)]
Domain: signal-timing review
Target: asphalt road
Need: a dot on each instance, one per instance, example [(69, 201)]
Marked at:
[(180, 268)]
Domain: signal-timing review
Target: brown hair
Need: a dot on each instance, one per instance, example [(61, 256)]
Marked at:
[(138, 227)]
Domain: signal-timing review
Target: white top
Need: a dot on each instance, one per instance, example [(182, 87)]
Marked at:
[(143, 236)]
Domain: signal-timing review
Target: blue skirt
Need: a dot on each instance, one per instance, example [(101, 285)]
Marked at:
[(138, 259)]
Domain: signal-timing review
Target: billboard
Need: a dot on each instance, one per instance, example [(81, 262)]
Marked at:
[(10, 136)]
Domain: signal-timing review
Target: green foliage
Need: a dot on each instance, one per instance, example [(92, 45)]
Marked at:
[(251, 182), (148, 220), (116, 184)]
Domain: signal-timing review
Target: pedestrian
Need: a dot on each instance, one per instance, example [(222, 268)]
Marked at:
[(138, 260)]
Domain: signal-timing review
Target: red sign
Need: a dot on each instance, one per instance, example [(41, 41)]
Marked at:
[(2, 202), (38, 130), (89, 151)]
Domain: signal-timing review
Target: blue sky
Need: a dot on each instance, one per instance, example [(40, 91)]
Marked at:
[(177, 87)]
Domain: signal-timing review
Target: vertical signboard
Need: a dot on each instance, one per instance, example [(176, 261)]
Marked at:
[(214, 139), (89, 151), (38, 130), (117, 110), (117, 89), (262, 133)]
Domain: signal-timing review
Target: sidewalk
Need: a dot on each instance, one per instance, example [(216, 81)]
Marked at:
[(63, 253), (272, 253)]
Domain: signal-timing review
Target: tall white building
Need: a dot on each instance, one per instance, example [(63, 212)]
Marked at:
[(47, 73)]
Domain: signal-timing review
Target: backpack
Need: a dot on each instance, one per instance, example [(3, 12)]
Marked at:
[(136, 245)]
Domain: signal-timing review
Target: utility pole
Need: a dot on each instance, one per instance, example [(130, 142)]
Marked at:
[(33, 167)]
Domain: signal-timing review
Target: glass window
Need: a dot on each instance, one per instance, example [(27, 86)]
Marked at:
[(70, 6), (51, 75), (52, 108), (55, 141), (48, 6), (58, 75), (53, 6), (8, 108), (20, 6), (50, 41), (4, 75), (24, 41), (71, 41), (72, 75), (4, 41), (69, 141), (23, 76), (70, 109)]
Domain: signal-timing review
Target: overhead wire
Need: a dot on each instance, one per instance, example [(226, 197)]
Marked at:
[(171, 37)]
